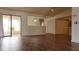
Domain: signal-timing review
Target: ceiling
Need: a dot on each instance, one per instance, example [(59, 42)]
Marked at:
[(38, 10)]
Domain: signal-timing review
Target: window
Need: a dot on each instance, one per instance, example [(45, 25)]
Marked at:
[(35, 21)]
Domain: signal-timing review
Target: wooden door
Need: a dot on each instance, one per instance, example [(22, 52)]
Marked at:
[(61, 27), (62, 38)]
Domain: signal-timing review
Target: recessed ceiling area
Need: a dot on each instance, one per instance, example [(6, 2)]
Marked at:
[(38, 10)]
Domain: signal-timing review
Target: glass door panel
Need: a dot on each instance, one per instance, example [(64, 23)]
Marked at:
[(7, 25), (16, 25)]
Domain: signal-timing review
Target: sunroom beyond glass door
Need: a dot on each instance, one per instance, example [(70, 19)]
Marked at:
[(7, 25)]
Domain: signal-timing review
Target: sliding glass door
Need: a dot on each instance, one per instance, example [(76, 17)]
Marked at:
[(11, 25), (7, 25)]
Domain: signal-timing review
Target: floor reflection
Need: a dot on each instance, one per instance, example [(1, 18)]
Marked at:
[(10, 43)]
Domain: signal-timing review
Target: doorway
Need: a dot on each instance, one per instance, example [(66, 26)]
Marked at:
[(11, 25)]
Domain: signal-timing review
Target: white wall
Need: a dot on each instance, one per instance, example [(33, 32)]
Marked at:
[(36, 30), (23, 17), (75, 27), (50, 25)]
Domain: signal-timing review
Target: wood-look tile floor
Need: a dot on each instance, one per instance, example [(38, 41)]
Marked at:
[(30, 43)]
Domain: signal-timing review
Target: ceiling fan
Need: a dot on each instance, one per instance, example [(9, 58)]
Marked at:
[(51, 11)]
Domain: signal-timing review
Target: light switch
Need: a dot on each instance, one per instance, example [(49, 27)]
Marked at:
[(75, 22)]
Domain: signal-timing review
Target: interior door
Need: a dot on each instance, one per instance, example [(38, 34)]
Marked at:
[(62, 38), (62, 27)]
